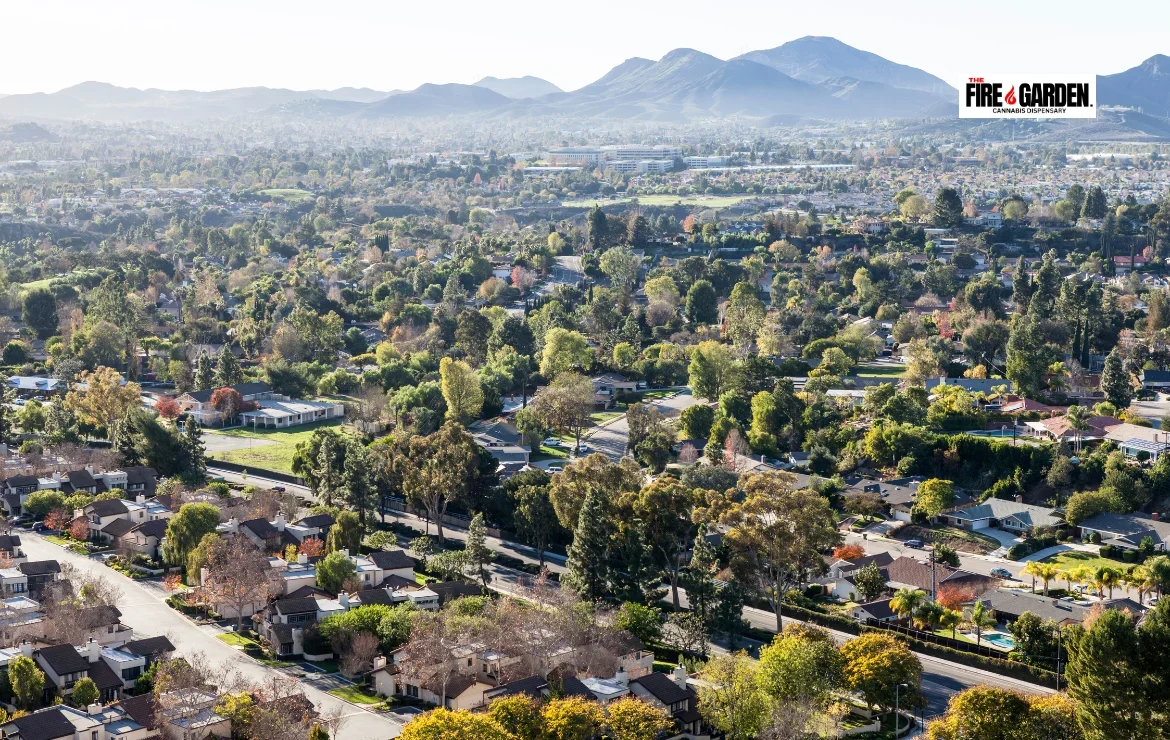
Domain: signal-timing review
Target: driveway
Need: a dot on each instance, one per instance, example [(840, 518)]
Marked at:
[(1006, 540), (143, 609), (611, 439)]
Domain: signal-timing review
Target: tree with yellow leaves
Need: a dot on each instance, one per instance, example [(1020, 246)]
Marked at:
[(444, 724), (105, 398), (574, 718), (461, 390), (630, 718)]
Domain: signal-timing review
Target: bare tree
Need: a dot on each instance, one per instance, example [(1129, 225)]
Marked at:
[(239, 576), (790, 720), (359, 653)]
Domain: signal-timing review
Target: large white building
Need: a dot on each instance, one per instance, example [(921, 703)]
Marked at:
[(638, 158), (574, 156), (640, 151)]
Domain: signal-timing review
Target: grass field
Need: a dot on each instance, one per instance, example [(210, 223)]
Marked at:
[(1078, 559), (956, 537), (237, 640), (290, 194), (276, 456), (356, 695), (604, 417), (708, 201), (879, 371), (36, 284)]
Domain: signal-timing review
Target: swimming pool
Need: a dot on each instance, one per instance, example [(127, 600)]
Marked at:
[(990, 432), (1000, 640)]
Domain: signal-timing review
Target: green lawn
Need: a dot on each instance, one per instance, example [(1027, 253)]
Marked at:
[(237, 640), (357, 695), (290, 194), (36, 284), (656, 394), (277, 456), (603, 417), (879, 371), (547, 453), (1077, 559), (708, 201)]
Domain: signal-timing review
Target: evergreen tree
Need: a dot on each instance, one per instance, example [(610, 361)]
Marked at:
[(325, 472), (588, 564), (477, 551), (1115, 381), (634, 576), (358, 480), (123, 438), (7, 413), (193, 447), (702, 303), (948, 208), (596, 224), (1095, 204), (727, 617), (204, 374), (702, 591), (227, 369)]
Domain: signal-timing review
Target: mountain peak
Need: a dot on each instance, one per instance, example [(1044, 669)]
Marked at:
[(527, 86)]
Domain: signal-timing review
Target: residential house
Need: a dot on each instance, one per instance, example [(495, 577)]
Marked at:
[(607, 387), (672, 694), (39, 573), (30, 386), (1156, 380), (198, 403), (879, 611), (839, 581), (906, 572), (1057, 428), (150, 649), (1012, 516), (63, 722), (284, 621), (10, 548), (1138, 441), (1128, 530), (184, 715), (1009, 604), (113, 519), (145, 538)]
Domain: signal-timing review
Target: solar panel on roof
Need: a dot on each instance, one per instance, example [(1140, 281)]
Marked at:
[(1146, 445)]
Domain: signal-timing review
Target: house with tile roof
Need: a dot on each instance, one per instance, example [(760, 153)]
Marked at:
[(1011, 516)]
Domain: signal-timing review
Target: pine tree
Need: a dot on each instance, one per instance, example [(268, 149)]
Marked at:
[(702, 591), (227, 369), (477, 550), (634, 576), (325, 472), (357, 478), (727, 617), (7, 413), (204, 374), (123, 441), (1115, 381), (193, 447), (588, 564)]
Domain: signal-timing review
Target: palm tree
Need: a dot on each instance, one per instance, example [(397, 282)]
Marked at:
[(1160, 572), (1107, 577), (951, 618), (1078, 421), (1047, 572), (928, 616), (1141, 578), (907, 601), (980, 618), (1032, 568), (1069, 575)]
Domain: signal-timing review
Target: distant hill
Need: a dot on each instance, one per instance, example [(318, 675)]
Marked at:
[(820, 58), (27, 133), (352, 94), (1146, 86), (519, 87), (437, 100)]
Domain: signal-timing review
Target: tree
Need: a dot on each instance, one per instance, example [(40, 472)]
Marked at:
[(1095, 203), (776, 534), (621, 266), (85, 692), (238, 575), (479, 554), (945, 554), (227, 368), (665, 508), (907, 601), (345, 534), (695, 421), (876, 664), (870, 582), (981, 618), (566, 404), (444, 724), (39, 312), (572, 718), (1115, 381), (228, 402), (204, 373), (948, 208), (200, 556), (461, 390), (105, 398), (186, 529), (333, 571), (192, 445), (744, 315), (730, 698), (168, 408), (588, 571), (357, 481), (643, 622), (564, 349), (984, 713), (801, 664), (702, 303), (27, 681), (611, 480), (934, 497), (595, 223), (711, 370), (630, 718), (535, 517), (519, 715), (439, 469)]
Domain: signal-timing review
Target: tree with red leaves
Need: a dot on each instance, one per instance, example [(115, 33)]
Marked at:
[(79, 530), (57, 519), (168, 408), (849, 552), (311, 547), (228, 402)]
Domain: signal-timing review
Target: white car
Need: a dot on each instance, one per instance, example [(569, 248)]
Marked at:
[(551, 442)]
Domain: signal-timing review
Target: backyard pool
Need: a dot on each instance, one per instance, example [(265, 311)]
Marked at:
[(1000, 640), (990, 433)]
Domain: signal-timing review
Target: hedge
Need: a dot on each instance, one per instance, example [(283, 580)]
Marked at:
[(1010, 668)]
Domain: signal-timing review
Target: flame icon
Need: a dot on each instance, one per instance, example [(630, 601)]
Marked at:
[(1010, 98)]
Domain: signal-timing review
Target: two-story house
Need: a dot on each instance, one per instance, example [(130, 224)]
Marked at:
[(63, 722), (39, 573)]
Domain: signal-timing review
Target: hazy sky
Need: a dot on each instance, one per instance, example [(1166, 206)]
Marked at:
[(387, 44)]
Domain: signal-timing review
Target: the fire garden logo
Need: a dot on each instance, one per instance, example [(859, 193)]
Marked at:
[(1029, 96)]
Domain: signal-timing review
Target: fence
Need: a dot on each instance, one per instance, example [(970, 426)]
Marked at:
[(258, 472)]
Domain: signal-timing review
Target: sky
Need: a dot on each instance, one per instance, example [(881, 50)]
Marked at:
[(392, 44)]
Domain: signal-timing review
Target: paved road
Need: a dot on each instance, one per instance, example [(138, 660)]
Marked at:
[(143, 609), (611, 439)]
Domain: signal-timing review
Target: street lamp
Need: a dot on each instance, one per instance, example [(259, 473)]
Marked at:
[(897, 707)]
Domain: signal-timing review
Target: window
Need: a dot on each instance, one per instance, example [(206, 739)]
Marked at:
[(412, 691), (93, 735)]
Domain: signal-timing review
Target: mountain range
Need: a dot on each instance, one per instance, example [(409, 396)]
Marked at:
[(814, 77)]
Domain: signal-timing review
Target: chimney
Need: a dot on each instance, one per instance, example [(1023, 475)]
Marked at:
[(94, 710), (343, 599), (26, 649), (1155, 516), (1019, 499), (302, 558), (57, 475), (279, 522), (203, 573), (679, 676), (379, 662), (621, 677), (93, 650), (233, 526), (140, 498), (345, 551), (89, 469)]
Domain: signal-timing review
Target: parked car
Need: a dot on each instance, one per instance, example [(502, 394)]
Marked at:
[(555, 468), (916, 544), (551, 442), (279, 489), (1001, 573)]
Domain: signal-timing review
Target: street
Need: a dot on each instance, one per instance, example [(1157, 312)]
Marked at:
[(612, 438), (143, 609)]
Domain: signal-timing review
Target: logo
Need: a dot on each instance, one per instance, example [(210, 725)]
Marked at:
[(1029, 96)]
